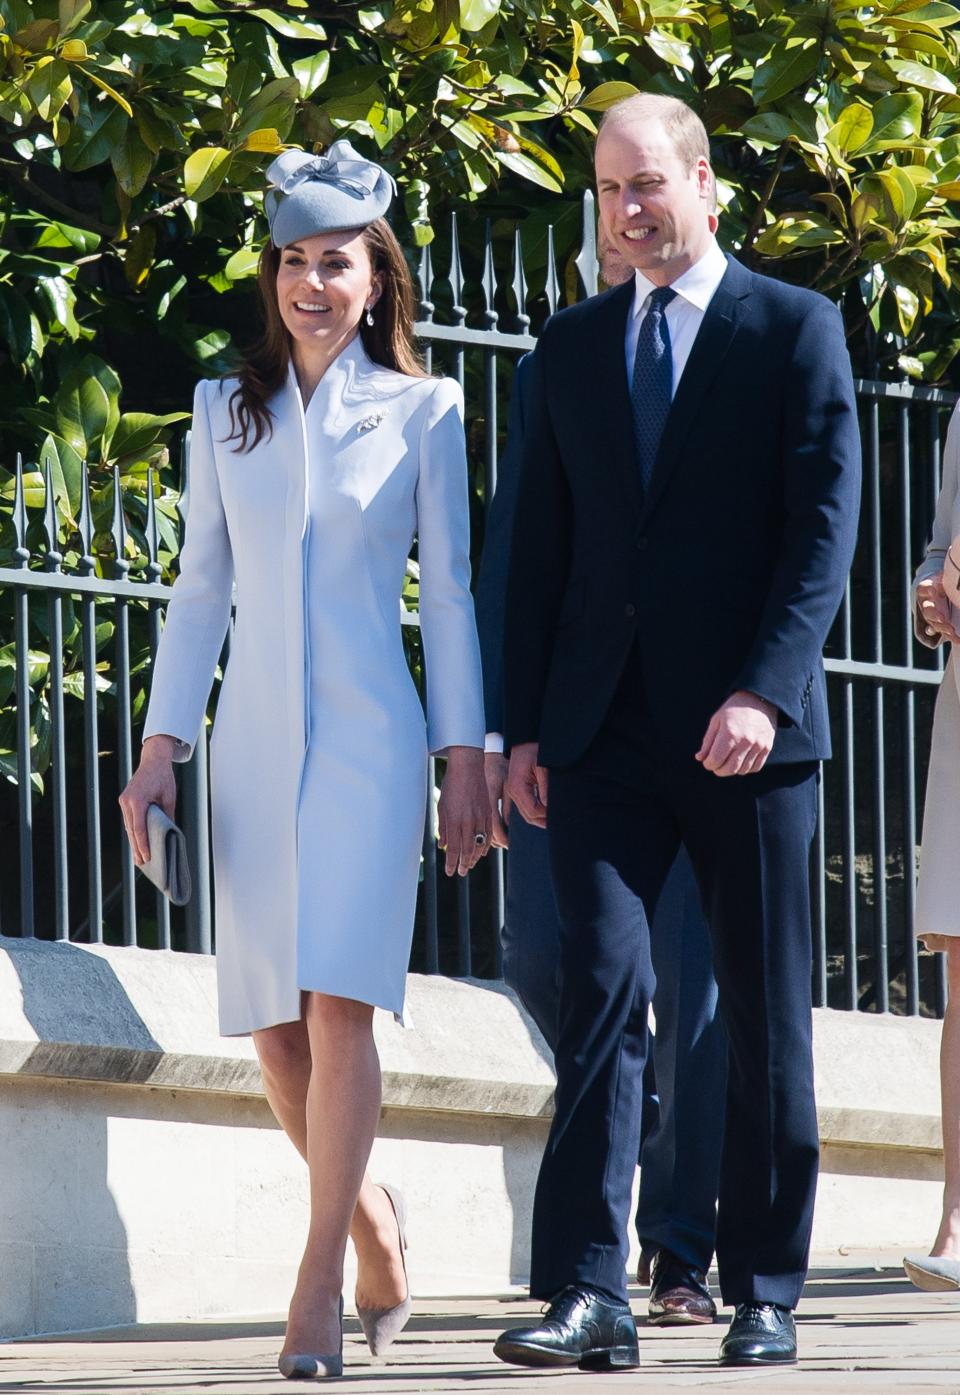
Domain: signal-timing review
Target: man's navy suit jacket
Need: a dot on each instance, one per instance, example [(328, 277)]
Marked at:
[(729, 572), (491, 595)]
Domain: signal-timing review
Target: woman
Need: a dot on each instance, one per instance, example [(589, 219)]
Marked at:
[(310, 474), (938, 891)]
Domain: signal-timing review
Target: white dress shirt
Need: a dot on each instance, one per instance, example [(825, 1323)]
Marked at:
[(695, 289)]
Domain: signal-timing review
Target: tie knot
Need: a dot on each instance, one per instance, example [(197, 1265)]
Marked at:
[(661, 297)]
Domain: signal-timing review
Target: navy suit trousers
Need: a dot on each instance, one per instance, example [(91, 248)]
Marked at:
[(685, 1076), (616, 820)]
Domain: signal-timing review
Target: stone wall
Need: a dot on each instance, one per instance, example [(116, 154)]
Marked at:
[(144, 1177)]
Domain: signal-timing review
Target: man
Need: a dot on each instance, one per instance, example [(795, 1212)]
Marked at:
[(685, 524), (681, 1132)]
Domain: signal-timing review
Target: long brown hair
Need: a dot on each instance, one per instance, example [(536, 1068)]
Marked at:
[(388, 341)]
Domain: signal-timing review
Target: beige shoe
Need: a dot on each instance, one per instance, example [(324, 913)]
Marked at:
[(382, 1326), (309, 1366), (934, 1274)]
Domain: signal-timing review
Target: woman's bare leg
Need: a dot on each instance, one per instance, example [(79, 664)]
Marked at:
[(948, 1237), (342, 1109), (285, 1064)]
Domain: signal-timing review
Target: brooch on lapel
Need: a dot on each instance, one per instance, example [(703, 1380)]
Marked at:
[(370, 423)]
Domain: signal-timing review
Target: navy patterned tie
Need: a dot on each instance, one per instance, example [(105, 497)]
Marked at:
[(652, 390)]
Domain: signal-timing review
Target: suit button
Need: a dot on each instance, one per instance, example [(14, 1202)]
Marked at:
[(631, 611), (642, 544)]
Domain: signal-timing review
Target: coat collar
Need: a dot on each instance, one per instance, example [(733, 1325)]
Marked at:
[(352, 382)]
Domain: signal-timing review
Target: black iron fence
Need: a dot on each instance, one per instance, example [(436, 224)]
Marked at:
[(75, 877)]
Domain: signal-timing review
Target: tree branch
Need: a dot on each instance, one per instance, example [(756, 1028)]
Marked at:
[(756, 222), (70, 215)]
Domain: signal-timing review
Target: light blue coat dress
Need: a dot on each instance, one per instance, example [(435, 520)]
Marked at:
[(319, 749)]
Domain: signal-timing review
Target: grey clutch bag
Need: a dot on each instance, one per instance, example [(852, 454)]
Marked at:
[(168, 868)]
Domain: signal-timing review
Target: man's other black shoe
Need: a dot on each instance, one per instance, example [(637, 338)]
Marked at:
[(579, 1328), (761, 1334)]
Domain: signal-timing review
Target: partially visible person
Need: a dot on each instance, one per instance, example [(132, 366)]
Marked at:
[(685, 1081), (936, 622), (311, 472)]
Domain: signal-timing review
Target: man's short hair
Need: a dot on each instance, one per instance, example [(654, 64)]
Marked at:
[(685, 130)]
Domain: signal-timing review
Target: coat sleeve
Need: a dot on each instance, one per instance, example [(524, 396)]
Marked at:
[(942, 536), (199, 609), (447, 624), (821, 504), (492, 578), (539, 562)]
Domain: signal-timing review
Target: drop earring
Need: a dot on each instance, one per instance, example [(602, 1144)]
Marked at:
[(369, 316)]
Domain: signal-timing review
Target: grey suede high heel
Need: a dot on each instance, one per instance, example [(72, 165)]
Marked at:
[(309, 1366), (934, 1275), (382, 1326)]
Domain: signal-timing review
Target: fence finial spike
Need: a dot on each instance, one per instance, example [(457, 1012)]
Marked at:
[(50, 527), (519, 286), (152, 536), (21, 551), (552, 285), (489, 282), (425, 277), (587, 258), (118, 527), (85, 523), (456, 272)]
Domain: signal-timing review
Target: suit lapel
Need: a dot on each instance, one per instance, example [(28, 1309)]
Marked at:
[(720, 323), (611, 413)]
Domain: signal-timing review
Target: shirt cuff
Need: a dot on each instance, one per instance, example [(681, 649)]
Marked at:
[(493, 743)]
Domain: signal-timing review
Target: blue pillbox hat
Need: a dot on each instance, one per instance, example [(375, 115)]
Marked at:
[(324, 193)]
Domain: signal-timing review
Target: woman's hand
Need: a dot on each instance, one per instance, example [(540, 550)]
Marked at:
[(934, 610), (464, 810), (153, 783)]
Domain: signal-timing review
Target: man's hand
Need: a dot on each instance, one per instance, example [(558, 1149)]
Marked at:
[(740, 736), (527, 784), (495, 767), (935, 612)]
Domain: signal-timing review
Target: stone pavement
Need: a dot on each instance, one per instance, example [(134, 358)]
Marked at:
[(863, 1329)]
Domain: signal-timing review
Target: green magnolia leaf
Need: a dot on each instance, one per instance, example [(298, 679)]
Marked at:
[(919, 75), (607, 94), (529, 169), (66, 470), (788, 68), (290, 28), (205, 170), (70, 13), (243, 263), (788, 235), (770, 127), (16, 329), (132, 162), (274, 105), (896, 122), (476, 14), (139, 254), (908, 307), (94, 137), (311, 72), (851, 128), (137, 431), (49, 87), (83, 411)]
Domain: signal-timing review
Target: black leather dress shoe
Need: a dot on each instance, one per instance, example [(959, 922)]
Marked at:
[(579, 1328), (761, 1334), (679, 1296)]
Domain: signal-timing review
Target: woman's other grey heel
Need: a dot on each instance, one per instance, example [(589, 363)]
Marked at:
[(310, 1366), (934, 1275), (382, 1326)]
